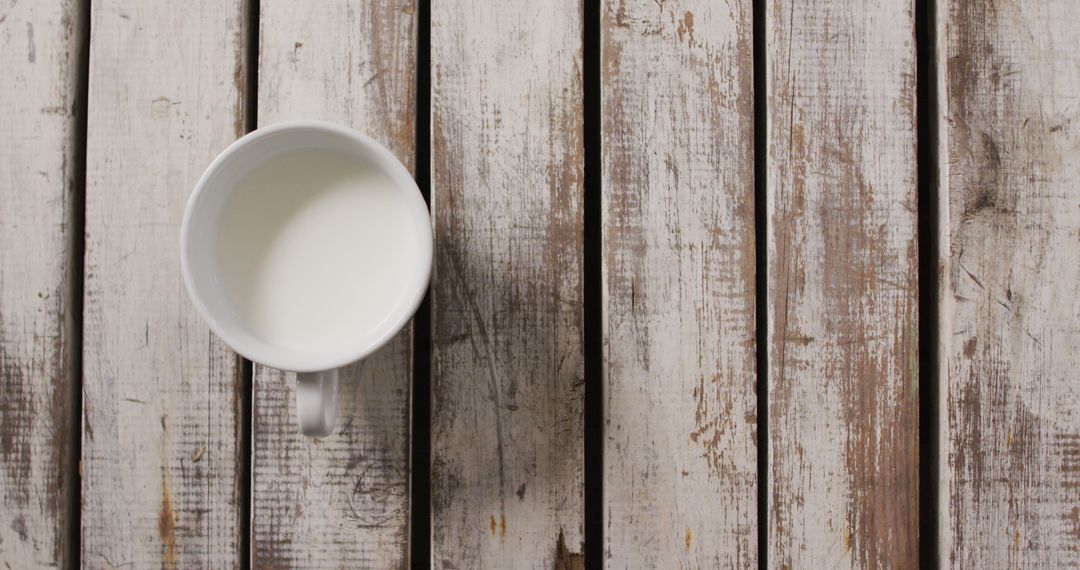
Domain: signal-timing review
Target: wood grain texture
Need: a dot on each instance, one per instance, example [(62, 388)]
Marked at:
[(842, 285), (39, 56), (507, 386), (679, 271), (341, 501), (161, 394), (1010, 313)]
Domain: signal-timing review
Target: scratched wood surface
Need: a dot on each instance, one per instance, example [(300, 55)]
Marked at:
[(39, 55), (507, 368), (341, 501), (680, 451), (842, 285), (163, 444), (161, 394), (1010, 313)]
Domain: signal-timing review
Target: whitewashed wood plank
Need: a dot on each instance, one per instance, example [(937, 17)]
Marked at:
[(680, 449), (342, 501), (161, 394), (842, 285), (507, 377), (1010, 260), (39, 54)]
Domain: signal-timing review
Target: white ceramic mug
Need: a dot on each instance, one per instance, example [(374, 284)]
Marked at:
[(316, 366)]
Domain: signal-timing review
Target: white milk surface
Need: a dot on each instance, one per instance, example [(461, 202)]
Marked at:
[(315, 250)]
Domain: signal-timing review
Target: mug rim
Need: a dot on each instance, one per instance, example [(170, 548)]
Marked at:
[(263, 352)]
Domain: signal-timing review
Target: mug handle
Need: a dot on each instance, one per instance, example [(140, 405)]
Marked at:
[(316, 402)]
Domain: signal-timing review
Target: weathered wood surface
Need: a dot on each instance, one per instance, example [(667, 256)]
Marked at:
[(161, 419), (341, 501), (507, 367), (1010, 312), (842, 285), (39, 55), (680, 467), (161, 394)]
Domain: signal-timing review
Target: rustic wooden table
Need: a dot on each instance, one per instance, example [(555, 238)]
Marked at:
[(717, 284)]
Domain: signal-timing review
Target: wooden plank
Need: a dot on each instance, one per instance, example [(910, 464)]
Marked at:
[(678, 267), (342, 501), (39, 53), (842, 285), (161, 394), (1010, 264), (507, 365)]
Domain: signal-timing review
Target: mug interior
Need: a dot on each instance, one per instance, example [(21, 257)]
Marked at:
[(202, 226)]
